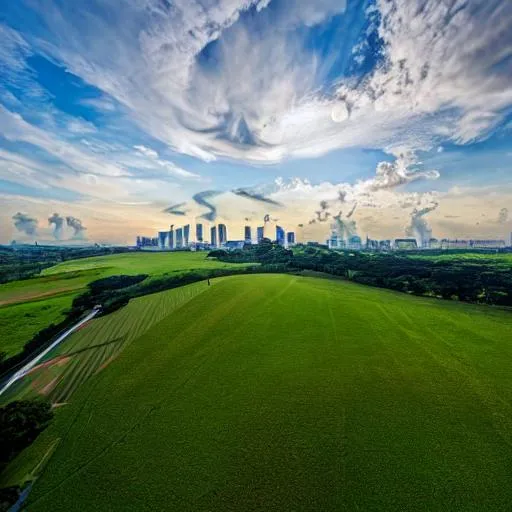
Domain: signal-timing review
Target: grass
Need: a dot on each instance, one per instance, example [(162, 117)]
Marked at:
[(277, 392), (157, 263), (20, 322), (38, 296), (503, 260), (97, 344)]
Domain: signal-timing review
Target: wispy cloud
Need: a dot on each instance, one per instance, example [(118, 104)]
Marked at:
[(254, 82), (208, 80)]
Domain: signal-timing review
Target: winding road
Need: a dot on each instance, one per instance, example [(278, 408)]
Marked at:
[(25, 369)]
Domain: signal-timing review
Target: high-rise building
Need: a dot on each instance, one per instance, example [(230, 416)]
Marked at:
[(260, 231), (139, 241), (179, 238), (290, 238), (247, 234), (162, 238), (406, 244), (280, 235), (171, 237), (487, 244), (199, 233), (213, 236), (223, 234), (186, 235), (454, 244)]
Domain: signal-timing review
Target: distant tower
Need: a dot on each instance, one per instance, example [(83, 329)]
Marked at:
[(260, 232), (139, 241), (280, 236), (199, 233), (162, 238), (213, 236), (269, 227), (186, 235), (179, 238), (223, 234), (290, 237), (171, 237), (247, 234)]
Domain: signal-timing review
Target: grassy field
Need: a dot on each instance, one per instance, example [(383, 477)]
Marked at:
[(152, 263), (496, 259), (20, 322), (277, 392), (96, 345), (37, 302)]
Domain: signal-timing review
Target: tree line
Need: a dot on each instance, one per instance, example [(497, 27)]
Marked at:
[(24, 262), (479, 280)]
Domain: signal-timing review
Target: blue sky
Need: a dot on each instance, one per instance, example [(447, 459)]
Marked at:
[(110, 111)]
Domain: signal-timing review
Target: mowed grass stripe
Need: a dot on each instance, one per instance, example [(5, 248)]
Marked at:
[(285, 393), (57, 286), (123, 327)]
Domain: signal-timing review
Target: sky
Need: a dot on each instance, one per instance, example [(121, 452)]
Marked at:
[(384, 112)]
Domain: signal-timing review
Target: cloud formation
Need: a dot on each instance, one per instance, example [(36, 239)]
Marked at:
[(419, 227), (25, 224), (250, 82), (210, 80), (503, 216), (77, 226), (58, 223)]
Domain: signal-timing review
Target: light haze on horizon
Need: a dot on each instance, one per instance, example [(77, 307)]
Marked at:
[(112, 111)]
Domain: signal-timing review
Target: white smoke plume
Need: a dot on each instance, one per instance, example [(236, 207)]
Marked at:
[(400, 172), (25, 224), (77, 226), (503, 216), (58, 225), (344, 225), (419, 227)]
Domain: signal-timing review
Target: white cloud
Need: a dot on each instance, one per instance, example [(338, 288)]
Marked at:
[(15, 128), (80, 126), (101, 103), (143, 150), (445, 74), (83, 162), (169, 166)]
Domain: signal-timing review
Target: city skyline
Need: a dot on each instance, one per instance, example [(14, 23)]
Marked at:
[(340, 237), (116, 118)]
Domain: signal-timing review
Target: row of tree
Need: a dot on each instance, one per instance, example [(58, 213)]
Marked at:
[(472, 280), (112, 293), (23, 262), (20, 424)]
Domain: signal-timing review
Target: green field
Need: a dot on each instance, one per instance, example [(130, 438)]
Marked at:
[(96, 345), (275, 392), (152, 263), (39, 301), (503, 260), (20, 322)]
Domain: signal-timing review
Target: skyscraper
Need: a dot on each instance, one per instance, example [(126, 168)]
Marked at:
[(280, 236), (247, 234), (223, 234), (186, 235), (213, 236), (162, 238), (171, 237), (179, 238), (260, 230), (290, 237), (199, 233)]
